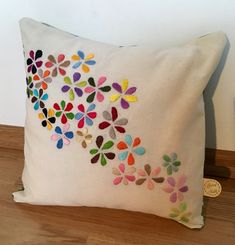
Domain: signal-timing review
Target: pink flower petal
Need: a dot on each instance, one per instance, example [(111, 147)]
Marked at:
[(99, 96), (89, 89), (66, 141), (122, 167), (150, 184), (130, 177), (101, 81), (173, 197), (168, 189), (117, 180), (60, 58), (171, 181), (181, 181), (55, 137), (155, 171), (66, 127), (141, 172)]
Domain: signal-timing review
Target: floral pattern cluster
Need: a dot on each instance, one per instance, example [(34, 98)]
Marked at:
[(113, 141)]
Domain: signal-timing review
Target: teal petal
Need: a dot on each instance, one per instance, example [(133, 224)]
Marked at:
[(139, 150), (128, 140), (123, 155)]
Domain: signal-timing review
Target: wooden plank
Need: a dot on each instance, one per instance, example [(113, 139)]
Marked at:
[(217, 162), (22, 224)]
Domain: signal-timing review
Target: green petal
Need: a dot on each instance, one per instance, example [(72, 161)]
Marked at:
[(184, 219), (103, 160), (165, 164), (93, 151), (107, 145), (166, 158), (91, 97), (177, 163), (169, 170), (81, 84), (173, 215), (70, 115), (67, 80), (71, 94), (105, 89), (58, 113), (183, 207), (62, 103)]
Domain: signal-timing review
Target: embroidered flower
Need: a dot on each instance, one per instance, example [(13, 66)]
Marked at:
[(38, 98), (129, 148), (180, 214), (30, 85), (64, 111), (112, 123), (124, 93), (123, 175), (96, 91), (176, 188), (84, 138), (33, 62), (73, 87), (171, 163), (85, 116), (42, 79), (81, 60), (62, 136), (57, 65), (102, 151), (150, 176), (47, 117)]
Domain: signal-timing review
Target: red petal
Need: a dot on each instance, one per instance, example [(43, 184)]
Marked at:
[(114, 114), (120, 129), (81, 108), (81, 123), (136, 141), (49, 64), (62, 71), (60, 58), (104, 125), (122, 145), (92, 115), (131, 159), (64, 119), (69, 107), (56, 106)]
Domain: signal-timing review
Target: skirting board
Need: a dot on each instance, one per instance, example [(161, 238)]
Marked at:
[(219, 163)]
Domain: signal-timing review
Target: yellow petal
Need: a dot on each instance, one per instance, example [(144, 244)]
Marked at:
[(89, 57), (114, 97), (75, 57), (130, 98), (85, 68), (41, 116), (124, 85), (49, 126), (51, 113)]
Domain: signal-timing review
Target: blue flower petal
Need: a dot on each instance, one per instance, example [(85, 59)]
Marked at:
[(79, 115), (128, 140), (58, 130), (44, 97), (77, 64), (81, 54), (91, 107), (69, 134), (89, 122), (35, 93), (139, 150), (123, 155), (59, 144), (36, 106), (90, 62)]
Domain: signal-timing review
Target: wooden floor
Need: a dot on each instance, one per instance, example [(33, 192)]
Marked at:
[(22, 224)]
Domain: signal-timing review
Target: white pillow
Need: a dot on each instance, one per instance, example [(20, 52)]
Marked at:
[(116, 127)]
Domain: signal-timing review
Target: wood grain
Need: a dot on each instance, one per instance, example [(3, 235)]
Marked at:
[(22, 224), (217, 162)]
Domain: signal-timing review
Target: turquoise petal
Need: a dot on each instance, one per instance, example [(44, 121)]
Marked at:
[(35, 93), (139, 150), (36, 106), (123, 155), (91, 107), (44, 97), (128, 140)]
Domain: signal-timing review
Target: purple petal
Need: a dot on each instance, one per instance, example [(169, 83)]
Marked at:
[(183, 189), (171, 181), (65, 88), (131, 90), (39, 64), (76, 76), (78, 91), (173, 197), (124, 104), (117, 87)]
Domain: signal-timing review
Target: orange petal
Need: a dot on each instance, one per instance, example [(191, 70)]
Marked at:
[(122, 145), (44, 85), (85, 68), (136, 141), (131, 159), (46, 73), (36, 77)]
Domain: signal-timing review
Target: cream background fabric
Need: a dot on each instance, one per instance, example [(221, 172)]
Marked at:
[(168, 117)]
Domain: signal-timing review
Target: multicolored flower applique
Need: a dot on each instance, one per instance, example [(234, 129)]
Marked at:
[(180, 214), (129, 148), (125, 94), (102, 152), (176, 188), (81, 60), (85, 116), (62, 136), (57, 64), (34, 62), (171, 163), (30, 85), (64, 111), (123, 175), (150, 176), (47, 117), (73, 87), (38, 98), (84, 137), (42, 79), (96, 91), (112, 123)]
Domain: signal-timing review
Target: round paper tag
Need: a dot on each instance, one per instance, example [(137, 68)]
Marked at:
[(212, 188)]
